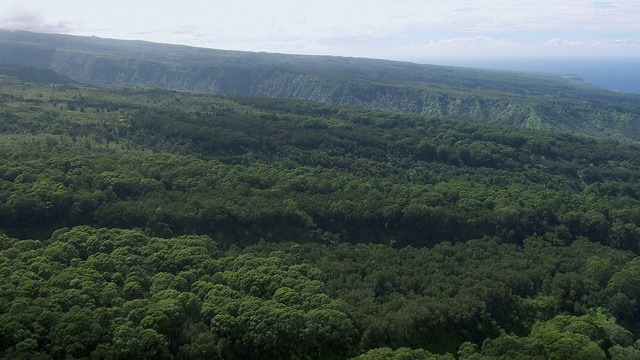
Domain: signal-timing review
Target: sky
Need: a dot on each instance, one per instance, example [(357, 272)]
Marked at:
[(412, 30)]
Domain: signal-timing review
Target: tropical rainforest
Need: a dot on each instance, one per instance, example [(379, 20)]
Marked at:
[(146, 223)]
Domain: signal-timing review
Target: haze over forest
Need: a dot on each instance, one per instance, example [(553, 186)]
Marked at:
[(613, 73), (595, 36)]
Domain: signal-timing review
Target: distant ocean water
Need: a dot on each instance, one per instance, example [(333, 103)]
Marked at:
[(618, 74)]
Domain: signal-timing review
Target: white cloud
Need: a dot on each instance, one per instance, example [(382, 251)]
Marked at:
[(466, 41), (19, 18), (354, 28), (557, 42), (301, 46), (604, 5), (633, 42)]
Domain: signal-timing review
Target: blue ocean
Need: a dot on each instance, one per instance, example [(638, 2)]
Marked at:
[(618, 74)]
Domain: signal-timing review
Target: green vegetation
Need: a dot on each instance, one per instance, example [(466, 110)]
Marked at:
[(146, 223), (531, 100), (34, 75)]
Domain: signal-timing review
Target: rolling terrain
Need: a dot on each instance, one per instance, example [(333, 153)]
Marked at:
[(169, 202), (149, 223), (531, 100)]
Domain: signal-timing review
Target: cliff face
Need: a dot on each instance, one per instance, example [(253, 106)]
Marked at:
[(108, 62), (540, 101)]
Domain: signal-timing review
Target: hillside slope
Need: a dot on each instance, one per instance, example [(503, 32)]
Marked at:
[(540, 101), (29, 74)]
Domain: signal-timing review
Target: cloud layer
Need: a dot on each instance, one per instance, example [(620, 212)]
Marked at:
[(19, 18), (404, 29)]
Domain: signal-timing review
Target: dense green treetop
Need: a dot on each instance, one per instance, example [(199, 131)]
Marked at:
[(177, 163), (145, 223), (114, 293)]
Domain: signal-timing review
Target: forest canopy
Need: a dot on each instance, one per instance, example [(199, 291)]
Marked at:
[(145, 223)]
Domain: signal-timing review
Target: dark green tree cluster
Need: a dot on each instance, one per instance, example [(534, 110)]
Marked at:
[(113, 294), (563, 337), (360, 176), (143, 223)]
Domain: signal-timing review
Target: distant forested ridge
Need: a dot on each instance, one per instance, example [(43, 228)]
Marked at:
[(538, 101), (29, 74), (148, 223)]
